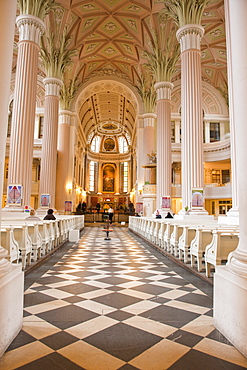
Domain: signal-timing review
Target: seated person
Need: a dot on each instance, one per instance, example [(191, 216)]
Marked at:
[(50, 215), (169, 215), (157, 214), (32, 216)]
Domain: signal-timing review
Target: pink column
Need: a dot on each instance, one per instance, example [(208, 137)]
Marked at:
[(164, 160), (148, 139), (22, 130), (230, 281), (234, 211), (6, 42), (140, 157), (65, 159), (49, 142), (189, 37), (11, 276)]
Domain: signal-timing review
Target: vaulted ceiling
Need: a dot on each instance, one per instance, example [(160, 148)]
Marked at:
[(110, 36)]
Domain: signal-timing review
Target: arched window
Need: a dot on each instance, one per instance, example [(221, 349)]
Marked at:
[(92, 176), (95, 144), (10, 118), (123, 145)]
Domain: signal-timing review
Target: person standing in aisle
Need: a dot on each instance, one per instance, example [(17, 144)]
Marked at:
[(110, 213)]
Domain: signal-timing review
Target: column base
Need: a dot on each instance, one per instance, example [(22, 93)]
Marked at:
[(192, 212), (230, 302), (228, 220), (196, 212), (13, 208), (11, 306), (231, 218), (197, 217), (233, 212)]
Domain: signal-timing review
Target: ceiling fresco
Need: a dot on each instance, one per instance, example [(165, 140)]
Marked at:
[(110, 37)]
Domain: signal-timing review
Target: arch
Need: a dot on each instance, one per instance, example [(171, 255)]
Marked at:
[(95, 85), (212, 100), (40, 93)]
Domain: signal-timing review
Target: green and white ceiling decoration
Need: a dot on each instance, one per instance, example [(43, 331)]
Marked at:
[(110, 37)]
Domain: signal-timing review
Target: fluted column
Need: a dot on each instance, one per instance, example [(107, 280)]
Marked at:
[(230, 281), (11, 276), (65, 158), (22, 130), (6, 42), (148, 139), (189, 38), (234, 211), (149, 143), (140, 158), (164, 160), (237, 43), (49, 142)]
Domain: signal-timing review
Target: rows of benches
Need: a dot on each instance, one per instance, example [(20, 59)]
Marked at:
[(27, 241), (202, 244)]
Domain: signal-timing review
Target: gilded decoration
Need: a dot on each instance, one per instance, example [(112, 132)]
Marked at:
[(149, 189), (109, 145)]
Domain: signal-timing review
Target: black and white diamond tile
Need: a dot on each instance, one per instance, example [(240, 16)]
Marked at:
[(117, 304)]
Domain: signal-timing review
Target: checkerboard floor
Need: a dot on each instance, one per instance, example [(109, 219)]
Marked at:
[(117, 304)]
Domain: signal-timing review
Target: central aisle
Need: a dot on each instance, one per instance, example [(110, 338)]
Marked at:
[(117, 304)]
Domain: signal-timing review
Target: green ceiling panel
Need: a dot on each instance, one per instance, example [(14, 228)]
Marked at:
[(89, 22), (88, 7)]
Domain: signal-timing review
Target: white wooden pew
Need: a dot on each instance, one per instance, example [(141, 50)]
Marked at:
[(203, 237), (8, 242), (167, 236), (223, 242), (188, 233), (175, 235), (36, 238), (198, 245), (25, 244), (32, 236), (157, 227), (160, 238)]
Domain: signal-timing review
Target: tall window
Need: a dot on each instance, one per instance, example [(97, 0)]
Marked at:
[(92, 176), (225, 176), (214, 132), (10, 118), (216, 176), (125, 177), (41, 125), (173, 131), (95, 145), (123, 145)]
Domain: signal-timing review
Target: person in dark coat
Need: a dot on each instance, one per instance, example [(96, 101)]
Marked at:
[(98, 207), (50, 215), (169, 215)]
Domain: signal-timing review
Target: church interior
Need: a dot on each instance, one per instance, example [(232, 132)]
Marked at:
[(137, 107)]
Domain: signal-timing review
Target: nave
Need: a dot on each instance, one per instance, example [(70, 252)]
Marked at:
[(117, 304)]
